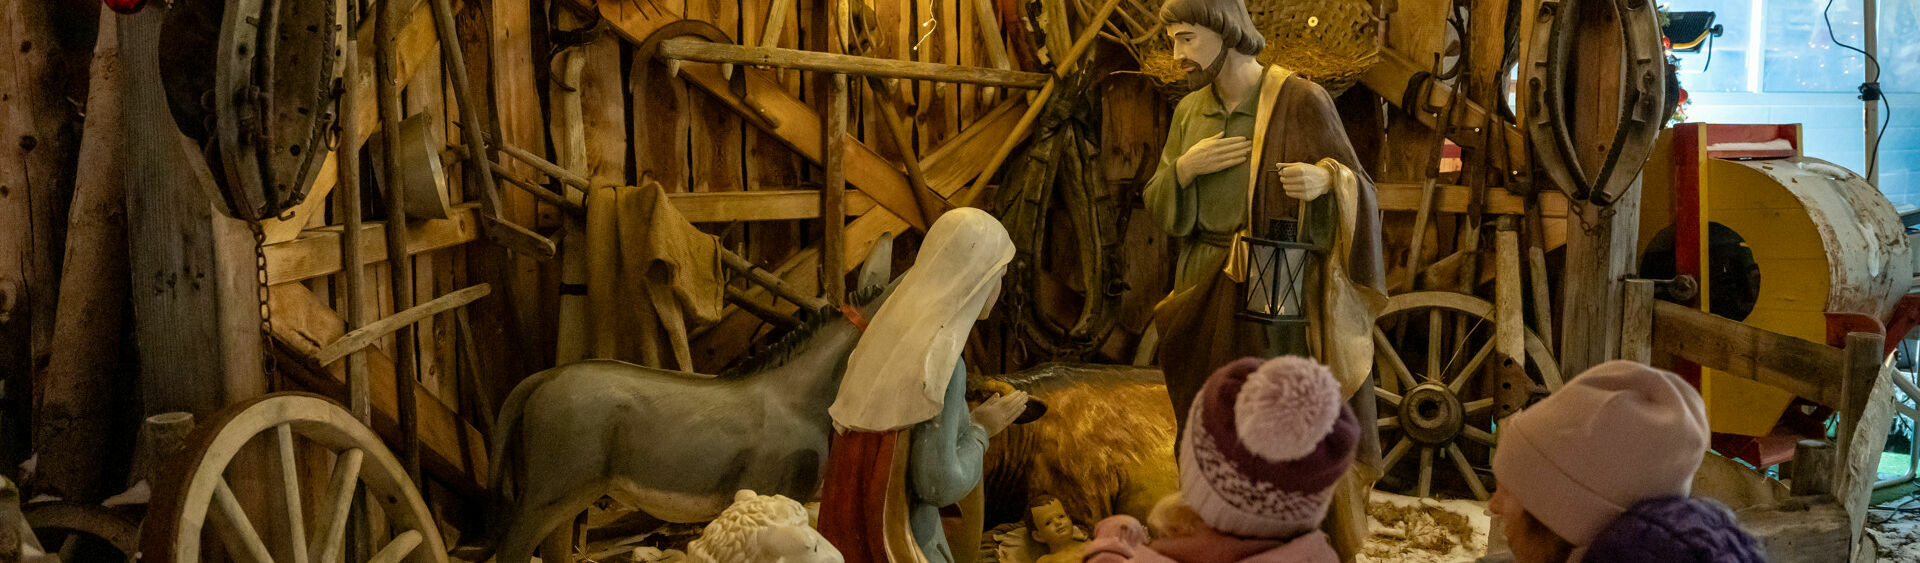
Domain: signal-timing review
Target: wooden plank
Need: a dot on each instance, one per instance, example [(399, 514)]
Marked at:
[(1454, 198), (714, 142), (833, 196), (801, 128), (707, 52), (1636, 324), (770, 165), (1800, 530), (317, 252), (659, 125), (450, 448), (1807, 369), (196, 309), (773, 205), (361, 337)]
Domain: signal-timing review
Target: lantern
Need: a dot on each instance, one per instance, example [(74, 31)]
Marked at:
[(1277, 275)]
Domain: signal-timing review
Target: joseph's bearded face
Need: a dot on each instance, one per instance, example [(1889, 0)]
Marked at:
[(1198, 50)]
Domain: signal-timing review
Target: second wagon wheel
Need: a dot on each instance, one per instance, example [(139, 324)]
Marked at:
[(1438, 404), (198, 492)]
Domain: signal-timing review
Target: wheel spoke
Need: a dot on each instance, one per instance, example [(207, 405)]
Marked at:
[(1477, 435), (1466, 470), (1389, 423), (242, 541), (290, 496), (1393, 456), (1426, 472), (398, 549), (1390, 397), (1436, 321), (330, 539), (1477, 407), (1383, 350), (1473, 367)]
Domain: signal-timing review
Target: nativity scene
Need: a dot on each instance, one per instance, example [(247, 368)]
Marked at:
[(950, 281)]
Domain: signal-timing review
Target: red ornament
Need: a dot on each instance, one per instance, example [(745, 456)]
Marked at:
[(1683, 96), (125, 6)]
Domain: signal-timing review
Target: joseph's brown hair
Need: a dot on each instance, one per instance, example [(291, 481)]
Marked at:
[(1228, 18)]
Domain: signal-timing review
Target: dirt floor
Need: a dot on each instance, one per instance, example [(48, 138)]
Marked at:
[(1895, 528), (1416, 530)]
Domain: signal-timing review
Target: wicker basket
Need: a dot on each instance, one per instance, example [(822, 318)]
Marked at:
[(1331, 42)]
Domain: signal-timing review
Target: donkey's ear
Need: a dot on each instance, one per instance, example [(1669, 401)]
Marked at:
[(878, 269)]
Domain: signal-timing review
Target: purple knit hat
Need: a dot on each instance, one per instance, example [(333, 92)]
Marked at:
[(1676, 530), (1265, 443)]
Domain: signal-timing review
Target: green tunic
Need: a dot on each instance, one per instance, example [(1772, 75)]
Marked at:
[(1204, 215)]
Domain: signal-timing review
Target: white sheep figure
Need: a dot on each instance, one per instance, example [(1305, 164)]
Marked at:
[(762, 529)]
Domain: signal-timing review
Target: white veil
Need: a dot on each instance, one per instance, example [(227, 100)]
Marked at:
[(898, 373)]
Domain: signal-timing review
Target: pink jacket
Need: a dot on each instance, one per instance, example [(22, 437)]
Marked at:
[(1119, 539)]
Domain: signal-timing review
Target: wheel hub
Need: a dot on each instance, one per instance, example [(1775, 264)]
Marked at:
[(1432, 414)]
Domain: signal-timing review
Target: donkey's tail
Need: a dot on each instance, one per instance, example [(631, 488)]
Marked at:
[(506, 429)]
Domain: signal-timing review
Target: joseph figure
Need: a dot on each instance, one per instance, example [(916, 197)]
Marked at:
[(1250, 144)]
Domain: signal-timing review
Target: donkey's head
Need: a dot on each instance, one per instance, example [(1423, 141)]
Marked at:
[(826, 337)]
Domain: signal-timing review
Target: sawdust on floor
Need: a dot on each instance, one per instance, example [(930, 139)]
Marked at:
[(1418, 530)]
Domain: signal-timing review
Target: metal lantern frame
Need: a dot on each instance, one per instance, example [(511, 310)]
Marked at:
[(1277, 269)]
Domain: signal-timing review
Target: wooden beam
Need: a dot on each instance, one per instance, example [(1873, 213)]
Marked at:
[(1453, 198), (449, 447), (773, 205), (696, 50), (317, 252), (1808, 369), (361, 337)]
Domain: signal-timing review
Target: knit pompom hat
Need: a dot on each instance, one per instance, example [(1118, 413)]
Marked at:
[(1265, 443), (1615, 435), (1675, 530)]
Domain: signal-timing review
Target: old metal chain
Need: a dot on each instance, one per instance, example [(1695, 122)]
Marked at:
[(267, 366)]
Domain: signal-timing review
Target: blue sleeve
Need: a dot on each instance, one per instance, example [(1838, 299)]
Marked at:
[(945, 462)]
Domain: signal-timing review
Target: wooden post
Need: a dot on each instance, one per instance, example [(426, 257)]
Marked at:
[(1861, 367), (1600, 252), (75, 399), (1510, 327), (833, 207), (353, 276), (1812, 469), (161, 436), (1636, 322), (399, 263)]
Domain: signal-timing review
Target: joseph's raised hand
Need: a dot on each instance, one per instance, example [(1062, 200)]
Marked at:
[(1210, 155)]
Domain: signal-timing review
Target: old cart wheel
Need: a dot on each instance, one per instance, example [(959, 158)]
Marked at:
[(198, 490), (83, 532), (1435, 402)]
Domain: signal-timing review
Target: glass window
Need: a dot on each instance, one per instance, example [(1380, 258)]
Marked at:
[(1721, 64), (1801, 55)]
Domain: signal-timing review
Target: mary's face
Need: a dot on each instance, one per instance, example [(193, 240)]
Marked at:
[(992, 298)]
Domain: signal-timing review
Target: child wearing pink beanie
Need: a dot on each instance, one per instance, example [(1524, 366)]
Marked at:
[(1265, 443), (1601, 470)]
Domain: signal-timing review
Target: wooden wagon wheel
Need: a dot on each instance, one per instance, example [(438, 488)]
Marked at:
[(1446, 403), (196, 491), (83, 532)]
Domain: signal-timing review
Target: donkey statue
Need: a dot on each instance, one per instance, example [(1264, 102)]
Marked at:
[(677, 445)]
